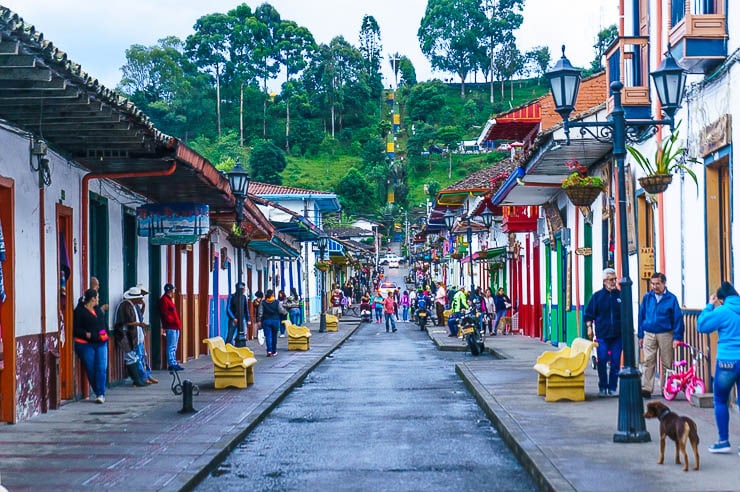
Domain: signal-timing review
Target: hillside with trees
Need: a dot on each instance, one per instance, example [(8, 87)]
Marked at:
[(327, 126)]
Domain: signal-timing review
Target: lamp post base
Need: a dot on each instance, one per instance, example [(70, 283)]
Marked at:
[(631, 422), (322, 323)]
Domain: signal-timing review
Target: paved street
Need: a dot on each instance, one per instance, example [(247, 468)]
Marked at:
[(386, 411)]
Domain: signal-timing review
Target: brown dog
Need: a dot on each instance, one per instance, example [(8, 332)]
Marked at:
[(678, 428)]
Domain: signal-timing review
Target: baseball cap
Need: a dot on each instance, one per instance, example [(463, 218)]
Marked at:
[(240, 285), (168, 287)]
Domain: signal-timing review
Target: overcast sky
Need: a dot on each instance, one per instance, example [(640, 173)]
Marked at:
[(97, 33)]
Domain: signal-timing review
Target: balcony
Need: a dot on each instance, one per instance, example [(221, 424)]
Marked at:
[(520, 219), (698, 35), (627, 61)]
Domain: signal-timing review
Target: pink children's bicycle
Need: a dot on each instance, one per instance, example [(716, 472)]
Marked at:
[(684, 377)]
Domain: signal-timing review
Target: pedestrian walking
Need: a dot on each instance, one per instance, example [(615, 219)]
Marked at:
[(128, 322), (659, 329), (388, 308), (440, 300), (722, 315), (270, 312), (91, 342), (378, 306), (237, 326), (488, 305), (603, 319), (293, 305), (503, 303), (405, 303), (283, 317), (171, 325)]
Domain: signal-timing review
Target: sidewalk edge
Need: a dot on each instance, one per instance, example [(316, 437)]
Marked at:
[(526, 450)]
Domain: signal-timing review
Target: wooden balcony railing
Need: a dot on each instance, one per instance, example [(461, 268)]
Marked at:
[(627, 62)]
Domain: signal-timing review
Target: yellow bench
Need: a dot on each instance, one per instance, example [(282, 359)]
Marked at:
[(446, 314), (332, 322), (561, 374), (299, 337), (232, 366)]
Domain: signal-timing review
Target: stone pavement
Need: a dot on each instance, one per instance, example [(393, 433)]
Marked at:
[(568, 445), (137, 440)]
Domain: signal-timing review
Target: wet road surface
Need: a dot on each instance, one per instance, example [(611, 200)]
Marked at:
[(385, 412)]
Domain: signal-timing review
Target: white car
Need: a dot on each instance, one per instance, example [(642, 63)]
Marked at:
[(394, 262)]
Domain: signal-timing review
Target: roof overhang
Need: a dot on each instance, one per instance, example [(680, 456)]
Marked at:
[(276, 246)]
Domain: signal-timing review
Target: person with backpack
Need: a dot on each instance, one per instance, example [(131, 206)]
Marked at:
[(270, 312), (293, 305)]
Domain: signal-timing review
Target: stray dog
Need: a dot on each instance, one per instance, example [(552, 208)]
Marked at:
[(678, 428)]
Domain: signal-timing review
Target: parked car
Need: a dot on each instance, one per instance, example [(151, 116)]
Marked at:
[(394, 262), (386, 287)]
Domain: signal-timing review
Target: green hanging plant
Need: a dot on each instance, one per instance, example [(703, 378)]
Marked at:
[(667, 159)]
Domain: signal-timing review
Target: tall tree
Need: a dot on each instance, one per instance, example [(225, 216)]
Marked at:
[(503, 17), (295, 47), (266, 162), (408, 72), (604, 38), (449, 35), (539, 58), (371, 48), (508, 61), (208, 47), (266, 51)]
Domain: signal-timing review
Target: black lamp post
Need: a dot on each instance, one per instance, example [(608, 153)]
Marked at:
[(239, 182), (323, 243), (669, 81)]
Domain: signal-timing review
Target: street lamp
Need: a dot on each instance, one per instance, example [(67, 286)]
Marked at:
[(487, 217), (239, 183), (323, 243), (449, 220), (470, 255), (669, 80)]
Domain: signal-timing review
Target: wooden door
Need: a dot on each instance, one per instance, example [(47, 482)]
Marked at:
[(8, 396), (718, 225), (645, 243), (66, 301)]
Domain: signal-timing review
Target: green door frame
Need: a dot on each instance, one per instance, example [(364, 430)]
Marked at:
[(155, 290), (547, 315), (130, 248), (99, 244)]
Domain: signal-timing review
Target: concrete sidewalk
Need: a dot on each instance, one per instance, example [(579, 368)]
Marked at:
[(568, 445), (137, 440)]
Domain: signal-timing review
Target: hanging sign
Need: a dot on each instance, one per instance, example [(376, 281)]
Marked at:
[(172, 223)]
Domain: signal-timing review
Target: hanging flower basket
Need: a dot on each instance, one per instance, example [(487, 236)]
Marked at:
[(322, 266), (456, 255), (238, 241), (657, 183), (583, 195)]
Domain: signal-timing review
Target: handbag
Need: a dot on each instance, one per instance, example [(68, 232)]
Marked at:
[(261, 336)]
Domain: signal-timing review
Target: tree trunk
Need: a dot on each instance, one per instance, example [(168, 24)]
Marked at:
[(241, 114), (332, 120), (287, 125), (218, 101), (264, 108), (503, 83), (462, 86), (511, 89), (492, 77)]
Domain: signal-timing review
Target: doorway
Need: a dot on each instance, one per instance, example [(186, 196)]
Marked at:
[(646, 242), (7, 312), (65, 299), (718, 225)]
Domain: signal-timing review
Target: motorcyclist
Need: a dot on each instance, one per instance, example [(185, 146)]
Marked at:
[(422, 304), (458, 305)]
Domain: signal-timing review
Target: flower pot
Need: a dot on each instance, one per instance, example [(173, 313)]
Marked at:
[(657, 183), (583, 196), (322, 268), (456, 256)]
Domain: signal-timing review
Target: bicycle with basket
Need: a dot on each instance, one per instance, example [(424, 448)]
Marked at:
[(684, 377)]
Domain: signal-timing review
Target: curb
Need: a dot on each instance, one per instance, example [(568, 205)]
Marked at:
[(191, 480), (526, 450)]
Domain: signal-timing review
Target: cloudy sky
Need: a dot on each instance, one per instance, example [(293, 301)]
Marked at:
[(96, 34)]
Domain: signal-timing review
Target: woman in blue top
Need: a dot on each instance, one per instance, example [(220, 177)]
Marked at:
[(722, 315)]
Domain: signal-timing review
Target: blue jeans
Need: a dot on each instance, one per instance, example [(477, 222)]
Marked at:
[(271, 327), (378, 314), (143, 362), (233, 331), (295, 316), (94, 358), (405, 313), (602, 352), (173, 336), (389, 317), (452, 322), (727, 375), (499, 315)]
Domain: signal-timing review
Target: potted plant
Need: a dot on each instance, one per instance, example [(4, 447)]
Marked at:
[(667, 161), (322, 265), (581, 188)]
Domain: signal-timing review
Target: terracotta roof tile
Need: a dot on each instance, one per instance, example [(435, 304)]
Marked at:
[(273, 189), (482, 180)]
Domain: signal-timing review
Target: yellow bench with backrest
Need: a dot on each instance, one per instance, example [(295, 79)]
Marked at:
[(332, 322), (446, 314), (232, 366), (561, 375), (299, 337)]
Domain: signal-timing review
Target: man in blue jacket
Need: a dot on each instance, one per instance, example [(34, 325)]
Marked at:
[(659, 329), (604, 311)]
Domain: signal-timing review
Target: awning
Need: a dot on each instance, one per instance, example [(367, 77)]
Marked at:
[(516, 124), (273, 247)]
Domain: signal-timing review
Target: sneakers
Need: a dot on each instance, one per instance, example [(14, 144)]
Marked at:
[(151, 380), (602, 393), (282, 335), (612, 392), (394, 330), (100, 399), (721, 447), (176, 367), (646, 394)]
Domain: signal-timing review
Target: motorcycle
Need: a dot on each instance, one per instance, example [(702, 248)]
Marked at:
[(470, 332), (422, 315)]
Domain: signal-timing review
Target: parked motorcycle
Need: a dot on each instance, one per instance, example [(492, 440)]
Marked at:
[(469, 329)]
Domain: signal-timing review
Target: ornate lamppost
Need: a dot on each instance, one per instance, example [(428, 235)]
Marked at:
[(239, 182), (669, 80), (323, 243)]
